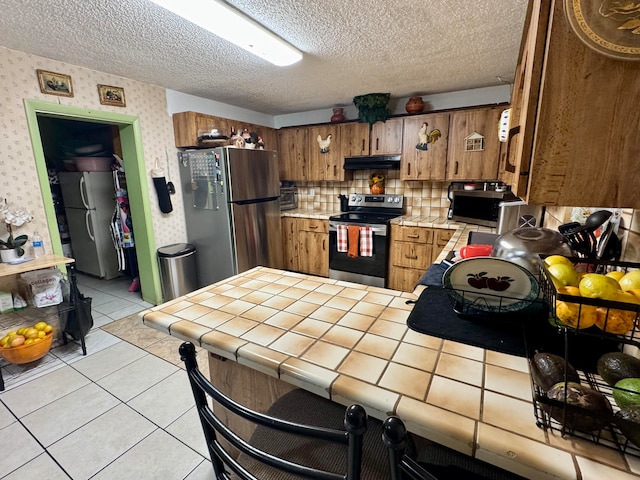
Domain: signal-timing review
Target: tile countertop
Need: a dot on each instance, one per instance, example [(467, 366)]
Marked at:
[(349, 342)]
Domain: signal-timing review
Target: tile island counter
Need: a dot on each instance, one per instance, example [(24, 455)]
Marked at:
[(271, 330)]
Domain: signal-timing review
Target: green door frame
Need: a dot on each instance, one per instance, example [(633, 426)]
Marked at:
[(137, 185)]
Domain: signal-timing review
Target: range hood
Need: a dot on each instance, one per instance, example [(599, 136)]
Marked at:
[(372, 162)]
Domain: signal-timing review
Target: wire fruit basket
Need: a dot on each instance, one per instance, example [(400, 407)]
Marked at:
[(585, 339)]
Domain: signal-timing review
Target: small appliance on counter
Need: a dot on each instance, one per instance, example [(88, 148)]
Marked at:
[(517, 214), (478, 202), (288, 195)]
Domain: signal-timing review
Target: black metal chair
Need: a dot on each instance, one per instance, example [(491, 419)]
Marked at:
[(443, 463), (301, 435)]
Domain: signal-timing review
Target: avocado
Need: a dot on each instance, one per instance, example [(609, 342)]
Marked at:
[(547, 369), (628, 421), (626, 392), (615, 366), (586, 409)]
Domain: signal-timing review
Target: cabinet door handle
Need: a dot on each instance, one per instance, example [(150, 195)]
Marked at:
[(313, 227), (363, 140), (408, 168), (335, 171), (455, 170), (509, 167), (411, 257), (413, 236), (377, 144), (324, 245)]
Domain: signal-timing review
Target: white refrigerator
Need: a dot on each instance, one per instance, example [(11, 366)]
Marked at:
[(89, 203)]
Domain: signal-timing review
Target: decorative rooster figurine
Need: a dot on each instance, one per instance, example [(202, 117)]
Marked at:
[(426, 138), (324, 144)]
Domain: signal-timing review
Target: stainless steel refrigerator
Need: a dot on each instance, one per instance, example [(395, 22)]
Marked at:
[(232, 210), (89, 202)]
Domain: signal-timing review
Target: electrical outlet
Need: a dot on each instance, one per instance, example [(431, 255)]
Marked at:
[(312, 191)]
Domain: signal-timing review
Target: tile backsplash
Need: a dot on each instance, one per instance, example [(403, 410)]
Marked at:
[(421, 198), (429, 199)]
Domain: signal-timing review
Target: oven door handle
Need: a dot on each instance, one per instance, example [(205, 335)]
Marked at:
[(380, 230)]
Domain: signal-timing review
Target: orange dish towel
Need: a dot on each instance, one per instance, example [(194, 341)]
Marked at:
[(354, 237)]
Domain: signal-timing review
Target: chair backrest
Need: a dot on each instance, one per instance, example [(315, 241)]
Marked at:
[(223, 458), (394, 436)]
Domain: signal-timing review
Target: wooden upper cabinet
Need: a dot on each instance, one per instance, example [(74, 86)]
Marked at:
[(386, 137), (187, 125), (325, 161), (474, 149), (354, 139), (514, 162), (425, 161), (293, 153), (583, 127)]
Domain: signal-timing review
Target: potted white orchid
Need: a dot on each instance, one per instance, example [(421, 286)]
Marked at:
[(11, 247)]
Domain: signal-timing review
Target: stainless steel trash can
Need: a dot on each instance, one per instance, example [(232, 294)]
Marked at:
[(177, 270)]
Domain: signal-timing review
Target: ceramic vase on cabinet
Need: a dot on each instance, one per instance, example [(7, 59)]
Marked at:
[(415, 105), (338, 115)]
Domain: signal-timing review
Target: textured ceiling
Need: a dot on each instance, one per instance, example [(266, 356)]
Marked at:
[(405, 47)]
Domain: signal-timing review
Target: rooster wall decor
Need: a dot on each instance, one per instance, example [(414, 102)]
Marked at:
[(324, 144), (426, 138)]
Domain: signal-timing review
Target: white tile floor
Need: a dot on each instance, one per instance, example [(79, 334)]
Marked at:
[(117, 413)]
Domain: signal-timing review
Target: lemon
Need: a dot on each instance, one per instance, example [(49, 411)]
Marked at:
[(31, 333), (40, 325), (616, 275), (554, 259), (48, 329), (614, 320), (564, 275), (596, 285), (28, 341), (41, 334), (573, 314), (630, 280)]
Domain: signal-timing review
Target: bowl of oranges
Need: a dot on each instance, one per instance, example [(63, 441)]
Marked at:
[(27, 344)]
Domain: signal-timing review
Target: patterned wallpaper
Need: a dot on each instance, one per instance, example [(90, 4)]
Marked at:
[(18, 181)]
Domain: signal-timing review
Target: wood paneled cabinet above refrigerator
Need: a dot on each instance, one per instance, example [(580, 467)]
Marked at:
[(187, 125), (574, 119)]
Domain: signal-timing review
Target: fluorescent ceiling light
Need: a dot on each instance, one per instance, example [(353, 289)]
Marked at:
[(228, 23)]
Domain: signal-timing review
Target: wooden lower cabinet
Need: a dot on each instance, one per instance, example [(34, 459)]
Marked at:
[(306, 245), (290, 243), (413, 250)]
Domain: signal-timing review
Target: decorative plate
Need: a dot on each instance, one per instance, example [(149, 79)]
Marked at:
[(609, 27), (490, 284)]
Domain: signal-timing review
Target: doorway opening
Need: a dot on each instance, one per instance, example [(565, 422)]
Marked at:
[(126, 133)]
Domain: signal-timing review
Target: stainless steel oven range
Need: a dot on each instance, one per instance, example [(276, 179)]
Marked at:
[(375, 211)]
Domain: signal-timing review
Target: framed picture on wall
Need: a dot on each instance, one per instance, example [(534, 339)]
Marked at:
[(110, 95), (53, 83)]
